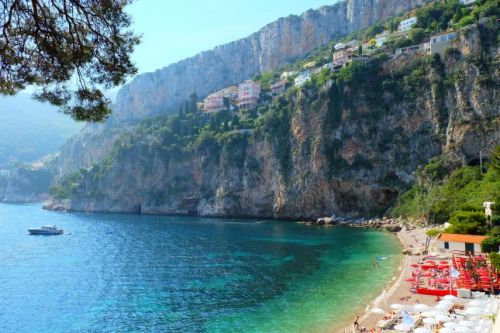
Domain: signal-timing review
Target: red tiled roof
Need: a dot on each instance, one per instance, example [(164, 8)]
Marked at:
[(457, 238)]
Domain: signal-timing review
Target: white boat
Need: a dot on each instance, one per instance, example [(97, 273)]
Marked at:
[(46, 230)]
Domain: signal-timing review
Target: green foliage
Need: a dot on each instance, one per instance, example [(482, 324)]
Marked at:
[(436, 169), (490, 244), (65, 187), (457, 198), (78, 44), (472, 223), (495, 260), (416, 35), (433, 232)]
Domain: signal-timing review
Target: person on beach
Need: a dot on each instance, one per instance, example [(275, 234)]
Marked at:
[(356, 323)]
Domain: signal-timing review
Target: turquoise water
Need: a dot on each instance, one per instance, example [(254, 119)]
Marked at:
[(128, 273)]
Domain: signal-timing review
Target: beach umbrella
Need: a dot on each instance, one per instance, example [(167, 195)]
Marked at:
[(410, 279), (402, 328), (475, 303), (397, 306), (450, 298), (430, 321), (378, 311), (446, 330), (431, 313), (462, 329), (442, 318), (422, 330), (443, 306), (466, 323), (450, 324), (474, 311), (444, 262), (421, 307)]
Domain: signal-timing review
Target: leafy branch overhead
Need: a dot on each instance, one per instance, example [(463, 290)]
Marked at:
[(68, 49)]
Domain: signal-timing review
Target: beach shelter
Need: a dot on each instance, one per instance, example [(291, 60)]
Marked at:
[(456, 242)]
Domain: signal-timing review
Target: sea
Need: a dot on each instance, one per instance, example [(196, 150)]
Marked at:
[(133, 273)]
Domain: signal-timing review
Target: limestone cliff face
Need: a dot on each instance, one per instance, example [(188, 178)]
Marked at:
[(348, 150), (268, 49), (277, 43)]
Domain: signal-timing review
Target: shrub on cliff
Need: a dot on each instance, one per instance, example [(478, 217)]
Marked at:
[(490, 244)]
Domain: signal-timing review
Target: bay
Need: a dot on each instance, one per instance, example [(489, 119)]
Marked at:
[(131, 273)]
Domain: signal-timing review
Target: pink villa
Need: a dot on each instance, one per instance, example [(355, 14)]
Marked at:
[(214, 103), (248, 94)]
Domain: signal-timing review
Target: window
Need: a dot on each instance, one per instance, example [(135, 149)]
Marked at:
[(446, 245)]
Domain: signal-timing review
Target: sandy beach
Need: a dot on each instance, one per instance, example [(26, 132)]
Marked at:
[(397, 290)]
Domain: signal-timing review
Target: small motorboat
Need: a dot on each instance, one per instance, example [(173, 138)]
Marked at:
[(46, 230)]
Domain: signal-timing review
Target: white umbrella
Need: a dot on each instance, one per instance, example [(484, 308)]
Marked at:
[(397, 306), (446, 330), (474, 311), (462, 329), (402, 328), (422, 330), (421, 307), (433, 313), (443, 318), (378, 311), (450, 324), (430, 321), (443, 306), (467, 323), (450, 298), (476, 303)]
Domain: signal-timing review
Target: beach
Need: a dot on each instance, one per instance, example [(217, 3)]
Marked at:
[(397, 290)]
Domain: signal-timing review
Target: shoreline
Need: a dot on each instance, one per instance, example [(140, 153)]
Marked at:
[(395, 288)]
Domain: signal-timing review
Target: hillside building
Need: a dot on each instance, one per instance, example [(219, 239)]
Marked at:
[(302, 78), (423, 48), (248, 94), (343, 57), (467, 2), (407, 24), (440, 42), (381, 38), (214, 103), (278, 88)]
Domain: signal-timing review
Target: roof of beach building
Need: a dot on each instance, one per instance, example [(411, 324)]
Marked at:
[(457, 238)]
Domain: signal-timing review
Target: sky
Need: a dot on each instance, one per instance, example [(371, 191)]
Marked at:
[(173, 30)]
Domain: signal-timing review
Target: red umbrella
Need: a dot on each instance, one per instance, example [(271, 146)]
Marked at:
[(414, 265), (411, 279), (430, 262), (444, 262)]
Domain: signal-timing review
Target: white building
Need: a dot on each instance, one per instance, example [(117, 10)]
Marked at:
[(407, 24), (286, 75), (467, 2), (302, 78), (456, 242), (423, 48), (381, 38), (440, 42)]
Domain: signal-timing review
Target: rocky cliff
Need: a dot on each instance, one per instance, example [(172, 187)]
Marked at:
[(274, 45), (347, 146)]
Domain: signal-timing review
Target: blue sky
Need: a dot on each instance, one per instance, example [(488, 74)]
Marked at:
[(176, 29)]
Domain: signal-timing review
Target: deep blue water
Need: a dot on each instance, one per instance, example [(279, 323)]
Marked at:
[(128, 273)]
